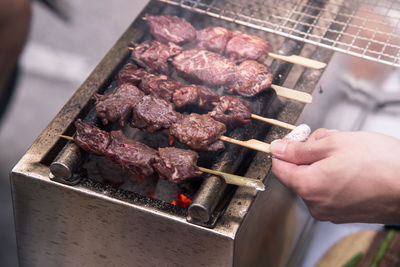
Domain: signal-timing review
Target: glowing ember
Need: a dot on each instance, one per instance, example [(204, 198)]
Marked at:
[(151, 195), (173, 202), (183, 201), (171, 140)]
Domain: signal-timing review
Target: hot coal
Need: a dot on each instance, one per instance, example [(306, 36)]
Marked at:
[(195, 95), (202, 66), (232, 111), (243, 46), (152, 114), (171, 29), (154, 55), (90, 138), (250, 79), (200, 132), (177, 164)]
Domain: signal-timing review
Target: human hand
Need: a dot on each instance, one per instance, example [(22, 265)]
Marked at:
[(343, 176)]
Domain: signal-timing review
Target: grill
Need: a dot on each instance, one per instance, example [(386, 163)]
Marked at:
[(63, 216), (363, 28)]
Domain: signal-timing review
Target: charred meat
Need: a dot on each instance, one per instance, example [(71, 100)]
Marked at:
[(250, 79), (117, 105), (160, 86), (213, 39), (244, 46), (206, 67), (154, 55), (132, 156), (195, 95), (200, 132), (232, 111), (152, 114), (176, 164), (131, 74), (171, 29), (90, 138)]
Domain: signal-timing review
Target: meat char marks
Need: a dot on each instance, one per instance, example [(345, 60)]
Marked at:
[(90, 138), (232, 111), (154, 55), (200, 132), (250, 79), (176, 164), (117, 105), (195, 95), (205, 67), (136, 158), (171, 29), (213, 39), (153, 113), (244, 46)]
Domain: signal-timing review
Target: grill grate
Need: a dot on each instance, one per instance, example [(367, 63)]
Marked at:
[(364, 28)]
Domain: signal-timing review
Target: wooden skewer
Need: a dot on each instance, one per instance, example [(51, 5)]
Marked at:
[(292, 94), (229, 178), (251, 143), (237, 180), (299, 60)]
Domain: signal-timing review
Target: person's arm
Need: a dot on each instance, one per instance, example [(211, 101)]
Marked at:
[(343, 176)]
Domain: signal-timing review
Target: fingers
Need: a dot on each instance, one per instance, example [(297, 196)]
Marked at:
[(315, 148), (288, 173)]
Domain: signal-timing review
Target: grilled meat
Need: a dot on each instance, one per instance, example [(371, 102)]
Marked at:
[(152, 114), (244, 46), (206, 67), (200, 132), (171, 29), (250, 79), (176, 164), (154, 55), (160, 86), (213, 39), (90, 138), (195, 95), (117, 105), (131, 74), (134, 157), (232, 111)]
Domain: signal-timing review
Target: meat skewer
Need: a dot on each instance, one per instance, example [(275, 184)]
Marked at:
[(202, 66), (236, 45), (172, 163)]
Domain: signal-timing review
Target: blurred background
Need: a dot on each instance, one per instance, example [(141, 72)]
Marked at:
[(61, 51)]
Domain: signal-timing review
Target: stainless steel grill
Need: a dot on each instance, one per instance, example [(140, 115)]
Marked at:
[(364, 28)]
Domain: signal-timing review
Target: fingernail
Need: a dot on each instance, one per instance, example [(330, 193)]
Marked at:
[(278, 146)]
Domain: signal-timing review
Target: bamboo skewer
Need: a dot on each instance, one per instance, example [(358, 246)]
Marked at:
[(274, 122), (251, 143), (299, 60), (229, 178), (292, 94)]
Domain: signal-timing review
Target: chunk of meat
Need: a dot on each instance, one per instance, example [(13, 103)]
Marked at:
[(205, 67), (195, 95), (131, 74), (160, 86), (232, 110), (152, 114), (90, 138), (176, 164), (134, 157), (171, 29), (244, 46), (154, 55), (200, 132), (213, 39), (250, 79), (117, 105)]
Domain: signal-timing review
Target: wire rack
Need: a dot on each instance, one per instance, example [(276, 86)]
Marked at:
[(364, 28)]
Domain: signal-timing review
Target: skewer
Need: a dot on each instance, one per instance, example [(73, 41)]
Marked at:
[(268, 120), (251, 143), (298, 60), (229, 178)]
